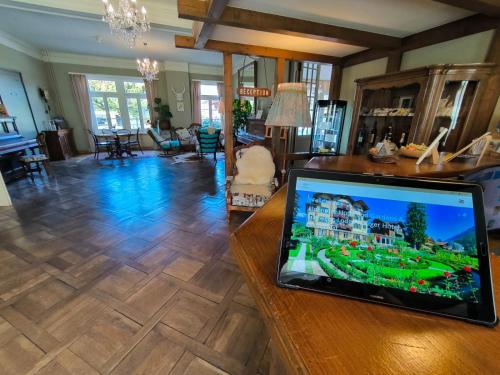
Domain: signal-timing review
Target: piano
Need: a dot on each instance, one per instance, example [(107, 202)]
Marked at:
[(12, 146)]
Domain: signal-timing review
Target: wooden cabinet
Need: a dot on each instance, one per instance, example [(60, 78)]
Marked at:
[(60, 144), (411, 106)]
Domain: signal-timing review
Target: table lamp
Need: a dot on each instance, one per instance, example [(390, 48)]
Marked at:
[(290, 109)]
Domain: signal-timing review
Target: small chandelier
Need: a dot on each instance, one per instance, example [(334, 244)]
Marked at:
[(127, 21), (148, 68)]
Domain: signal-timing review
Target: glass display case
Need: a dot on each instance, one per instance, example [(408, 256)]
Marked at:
[(328, 123), (412, 106)]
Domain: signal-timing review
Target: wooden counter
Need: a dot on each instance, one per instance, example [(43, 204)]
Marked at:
[(321, 334), (404, 166)]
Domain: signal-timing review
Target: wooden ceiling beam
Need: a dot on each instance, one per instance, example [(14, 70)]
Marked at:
[(487, 7), (197, 10), (214, 11), (188, 42), (453, 30)]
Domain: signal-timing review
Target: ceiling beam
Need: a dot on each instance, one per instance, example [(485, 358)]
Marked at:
[(215, 9), (197, 10), (250, 50), (453, 30), (487, 7)]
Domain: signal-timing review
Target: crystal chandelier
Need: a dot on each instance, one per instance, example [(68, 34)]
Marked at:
[(148, 68), (127, 21)]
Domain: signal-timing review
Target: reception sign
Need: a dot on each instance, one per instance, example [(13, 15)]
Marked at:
[(254, 91)]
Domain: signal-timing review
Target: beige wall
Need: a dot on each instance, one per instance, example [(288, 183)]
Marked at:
[(469, 49), (348, 90), (34, 76)]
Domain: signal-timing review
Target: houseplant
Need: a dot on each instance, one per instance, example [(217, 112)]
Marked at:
[(163, 114), (241, 111)]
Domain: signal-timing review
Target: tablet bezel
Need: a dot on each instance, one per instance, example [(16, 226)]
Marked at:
[(482, 313)]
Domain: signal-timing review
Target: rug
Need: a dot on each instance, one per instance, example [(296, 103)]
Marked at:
[(193, 157)]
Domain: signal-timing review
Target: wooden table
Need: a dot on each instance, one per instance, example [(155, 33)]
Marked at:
[(320, 334), (404, 166)]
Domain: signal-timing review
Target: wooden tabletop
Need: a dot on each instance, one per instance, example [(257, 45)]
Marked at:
[(404, 166), (321, 334)]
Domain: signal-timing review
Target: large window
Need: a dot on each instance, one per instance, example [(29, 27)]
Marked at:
[(118, 103), (209, 104), (317, 79)]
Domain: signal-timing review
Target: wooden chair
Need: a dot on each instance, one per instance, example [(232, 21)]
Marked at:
[(136, 142), (208, 141), (99, 145), (31, 163), (165, 145), (252, 182)]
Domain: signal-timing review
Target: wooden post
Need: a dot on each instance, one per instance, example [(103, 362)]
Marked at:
[(335, 82), (394, 61), (228, 112), (279, 78)]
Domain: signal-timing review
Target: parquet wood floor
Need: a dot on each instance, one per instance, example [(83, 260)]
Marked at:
[(123, 267)]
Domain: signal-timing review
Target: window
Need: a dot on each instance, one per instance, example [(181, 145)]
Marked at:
[(209, 104), (317, 79), (118, 103)]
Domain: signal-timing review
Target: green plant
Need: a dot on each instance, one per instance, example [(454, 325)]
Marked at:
[(241, 110), (163, 110)]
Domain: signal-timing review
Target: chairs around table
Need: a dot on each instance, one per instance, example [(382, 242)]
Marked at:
[(136, 142), (208, 141), (101, 145), (31, 163)]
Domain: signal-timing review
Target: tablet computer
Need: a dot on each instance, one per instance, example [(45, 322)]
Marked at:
[(413, 243)]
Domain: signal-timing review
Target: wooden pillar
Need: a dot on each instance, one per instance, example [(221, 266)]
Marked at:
[(394, 61), (335, 82), (491, 93), (279, 78), (228, 112)]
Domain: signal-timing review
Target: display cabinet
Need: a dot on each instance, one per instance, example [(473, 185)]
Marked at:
[(411, 106), (328, 123)]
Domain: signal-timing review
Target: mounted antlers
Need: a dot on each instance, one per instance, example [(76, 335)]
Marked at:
[(179, 95)]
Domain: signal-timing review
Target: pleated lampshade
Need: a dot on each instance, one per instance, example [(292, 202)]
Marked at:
[(290, 107)]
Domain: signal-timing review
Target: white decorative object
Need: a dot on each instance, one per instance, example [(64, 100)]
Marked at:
[(127, 21), (180, 106), (179, 95), (148, 68)]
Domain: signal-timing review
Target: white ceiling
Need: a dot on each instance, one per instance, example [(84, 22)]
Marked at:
[(73, 26)]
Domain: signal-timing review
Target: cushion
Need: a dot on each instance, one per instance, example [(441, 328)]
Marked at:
[(255, 166), (184, 134), (170, 144), (34, 158), (250, 195)]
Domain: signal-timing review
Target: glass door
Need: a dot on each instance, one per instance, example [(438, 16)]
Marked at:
[(452, 111), (328, 122)]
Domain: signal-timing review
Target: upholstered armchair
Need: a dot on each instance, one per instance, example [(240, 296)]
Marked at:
[(253, 181), (166, 145)]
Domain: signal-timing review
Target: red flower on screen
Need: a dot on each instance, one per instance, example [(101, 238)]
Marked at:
[(418, 258), (467, 269), (353, 243), (395, 251), (413, 289), (377, 237), (369, 248), (447, 274), (421, 281), (401, 264)]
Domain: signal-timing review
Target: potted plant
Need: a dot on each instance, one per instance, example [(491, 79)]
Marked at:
[(163, 114), (241, 111)]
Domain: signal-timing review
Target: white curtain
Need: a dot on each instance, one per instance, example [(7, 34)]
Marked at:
[(80, 90), (151, 94), (197, 102)]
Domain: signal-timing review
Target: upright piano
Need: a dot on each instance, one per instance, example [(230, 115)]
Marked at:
[(12, 147)]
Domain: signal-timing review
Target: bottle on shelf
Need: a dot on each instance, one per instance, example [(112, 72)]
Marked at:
[(361, 136), (373, 134), (388, 134), (402, 140)]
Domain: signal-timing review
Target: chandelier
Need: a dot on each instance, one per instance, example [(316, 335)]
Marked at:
[(148, 68), (127, 21)]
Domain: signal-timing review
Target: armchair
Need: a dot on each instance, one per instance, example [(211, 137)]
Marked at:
[(208, 141), (165, 145), (253, 181)]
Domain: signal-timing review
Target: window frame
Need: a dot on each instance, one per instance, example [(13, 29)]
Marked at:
[(122, 97), (210, 99)]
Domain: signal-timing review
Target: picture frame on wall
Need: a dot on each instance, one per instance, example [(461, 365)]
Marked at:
[(180, 106)]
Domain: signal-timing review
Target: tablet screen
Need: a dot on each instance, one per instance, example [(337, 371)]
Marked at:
[(416, 240)]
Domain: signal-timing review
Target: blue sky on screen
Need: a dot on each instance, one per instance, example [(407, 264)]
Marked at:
[(443, 222)]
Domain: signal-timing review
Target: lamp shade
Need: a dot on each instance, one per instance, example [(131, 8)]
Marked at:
[(290, 107)]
